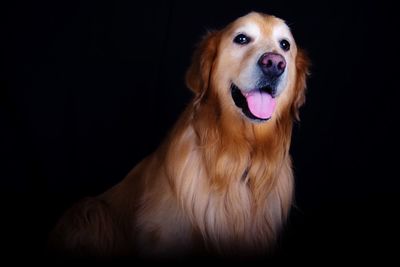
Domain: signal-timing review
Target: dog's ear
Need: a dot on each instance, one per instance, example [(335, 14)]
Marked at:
[(302, 71), (199, 73)]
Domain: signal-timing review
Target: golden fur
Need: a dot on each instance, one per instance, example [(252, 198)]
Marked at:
[(219, 183)]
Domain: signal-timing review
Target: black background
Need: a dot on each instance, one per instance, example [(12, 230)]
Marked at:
[(88, 88)]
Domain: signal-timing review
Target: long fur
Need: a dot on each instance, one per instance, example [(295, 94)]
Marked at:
[(216, 184)]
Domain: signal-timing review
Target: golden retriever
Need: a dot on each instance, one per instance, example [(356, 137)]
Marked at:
[(222, 181)]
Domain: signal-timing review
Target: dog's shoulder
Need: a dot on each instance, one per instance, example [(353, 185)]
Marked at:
[(87, 229)]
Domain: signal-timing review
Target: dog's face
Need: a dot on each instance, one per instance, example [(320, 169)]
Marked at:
[(253, 66)]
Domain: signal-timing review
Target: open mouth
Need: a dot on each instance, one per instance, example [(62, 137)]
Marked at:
[(257, 104)]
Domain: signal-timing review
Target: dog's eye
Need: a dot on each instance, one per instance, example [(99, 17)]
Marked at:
[(242, 39), (285, 45)]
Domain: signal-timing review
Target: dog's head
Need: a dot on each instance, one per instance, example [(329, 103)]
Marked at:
[(253, 67)]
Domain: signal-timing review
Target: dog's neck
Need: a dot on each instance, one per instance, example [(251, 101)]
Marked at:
[(238, 150)]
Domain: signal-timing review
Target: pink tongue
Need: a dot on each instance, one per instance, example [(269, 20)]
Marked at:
[(261, 104)]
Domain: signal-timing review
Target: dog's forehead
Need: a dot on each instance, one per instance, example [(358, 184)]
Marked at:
[(256, 24), (249, 28), (281, 30)]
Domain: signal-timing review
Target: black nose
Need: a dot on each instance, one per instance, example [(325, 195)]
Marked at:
[(272, 64)]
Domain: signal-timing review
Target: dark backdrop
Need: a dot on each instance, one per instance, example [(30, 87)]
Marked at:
[(88, 88)]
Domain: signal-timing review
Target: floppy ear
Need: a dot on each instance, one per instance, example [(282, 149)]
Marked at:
[(302, 71), (199, 72)]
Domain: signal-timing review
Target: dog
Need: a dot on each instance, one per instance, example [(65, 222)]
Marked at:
[(222, 181)]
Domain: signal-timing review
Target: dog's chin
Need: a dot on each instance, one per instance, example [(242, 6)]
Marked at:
[(258, 104)]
